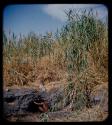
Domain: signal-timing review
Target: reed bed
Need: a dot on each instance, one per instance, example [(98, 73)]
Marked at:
[(77, 54)]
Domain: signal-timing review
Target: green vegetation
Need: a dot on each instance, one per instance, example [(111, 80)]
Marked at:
[(79, 50)]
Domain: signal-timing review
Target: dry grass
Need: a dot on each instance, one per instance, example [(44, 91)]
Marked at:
[(64, 63)]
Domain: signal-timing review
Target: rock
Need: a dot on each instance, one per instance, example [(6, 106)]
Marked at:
[(21, 101), (100, 98), (25, 100), (54, 96)]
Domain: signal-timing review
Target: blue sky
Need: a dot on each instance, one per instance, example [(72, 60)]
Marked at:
[(41, 18)]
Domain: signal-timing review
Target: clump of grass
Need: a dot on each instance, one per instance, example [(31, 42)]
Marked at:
[(44, 117), (84, 34)]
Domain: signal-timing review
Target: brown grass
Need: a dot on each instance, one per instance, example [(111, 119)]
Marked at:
[(25, 69)]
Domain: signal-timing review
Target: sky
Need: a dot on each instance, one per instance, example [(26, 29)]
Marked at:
[(42, 18)]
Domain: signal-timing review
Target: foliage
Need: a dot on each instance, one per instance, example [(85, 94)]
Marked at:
[(79, 47)]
